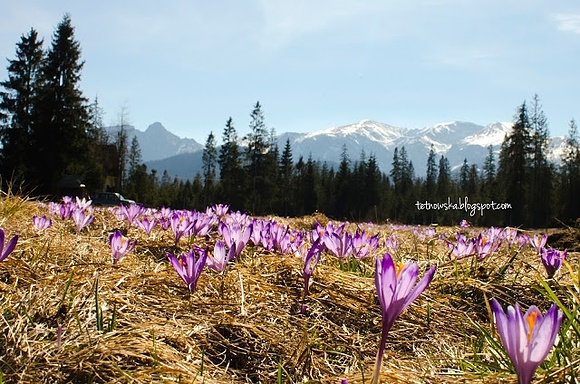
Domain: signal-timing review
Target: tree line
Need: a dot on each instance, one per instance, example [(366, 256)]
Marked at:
[(49, 129)]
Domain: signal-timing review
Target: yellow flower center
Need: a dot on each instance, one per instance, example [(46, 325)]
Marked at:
[(398, 268), (531, 320), (483, 240)]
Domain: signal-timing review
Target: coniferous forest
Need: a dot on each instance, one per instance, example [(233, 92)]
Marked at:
[(49, 130)]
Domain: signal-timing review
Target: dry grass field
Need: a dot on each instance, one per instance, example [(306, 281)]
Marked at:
[(69, 315)]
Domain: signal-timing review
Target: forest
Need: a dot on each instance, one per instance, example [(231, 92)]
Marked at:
[(49, 129)]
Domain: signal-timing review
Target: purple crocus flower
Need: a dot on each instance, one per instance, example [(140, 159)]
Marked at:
[(65, 210), (539, 242), (510, 235), (220, 257), (310, 261), (339, 244), (523, 240), (487, 243), (4, 252), (146, 225), (463, 247), (201, 223), (82, 218), (188, 267), (180, 224), (120, 245), (527, 338), (552, 260), (132, 212), (82, 203), (363, 244), (164, 217), (392, 242), (464, 224), (220, 210), (396, 290), (234, 236), (41, 223)]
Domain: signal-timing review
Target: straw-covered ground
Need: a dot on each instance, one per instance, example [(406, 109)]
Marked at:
[(244, 325)]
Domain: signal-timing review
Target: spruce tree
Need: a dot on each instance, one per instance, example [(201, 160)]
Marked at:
[(342, 184), (134, 184), (61, 119), (570, 176), (464, 177), (372, 188), (541, 179), (443, 179), (489, 174), (396, 171), (286, 170), (513, 170), (431, 177), (258, 147), (209, 164), (232, 177), (17, 104)]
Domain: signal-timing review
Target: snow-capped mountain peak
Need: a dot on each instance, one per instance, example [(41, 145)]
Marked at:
[(492, 134), (365, 129)]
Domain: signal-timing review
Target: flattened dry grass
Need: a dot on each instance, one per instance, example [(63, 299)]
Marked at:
[(242, 326)]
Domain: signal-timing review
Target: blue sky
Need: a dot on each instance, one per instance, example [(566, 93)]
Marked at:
[(314, 64)]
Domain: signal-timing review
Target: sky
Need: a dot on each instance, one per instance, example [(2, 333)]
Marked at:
[(315, 64)]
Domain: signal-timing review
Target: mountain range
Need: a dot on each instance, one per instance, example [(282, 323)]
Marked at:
[(456, 140)]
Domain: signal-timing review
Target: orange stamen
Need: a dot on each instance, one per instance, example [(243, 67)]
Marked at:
[(531, 320), (398, 268)]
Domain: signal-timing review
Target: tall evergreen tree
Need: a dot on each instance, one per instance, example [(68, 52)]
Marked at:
[(513, 170), (17, 104), (431, 179), (209, 164), (396, 171), (372, 188), (541, 179), (464, 176), (62, 117), (232, 178), (489, 173), (256, 153), (407, 171), (286, 171), (342, 186), (135, 182), (570, 176), (444, 179)]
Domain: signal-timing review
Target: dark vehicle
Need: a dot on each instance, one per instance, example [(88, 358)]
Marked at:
[(109, 199)]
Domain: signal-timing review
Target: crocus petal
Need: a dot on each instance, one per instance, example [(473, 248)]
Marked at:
[(10, 246), (545, 333), (385, 280)]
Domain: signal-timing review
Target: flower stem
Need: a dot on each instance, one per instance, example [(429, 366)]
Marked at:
[(381, 351)]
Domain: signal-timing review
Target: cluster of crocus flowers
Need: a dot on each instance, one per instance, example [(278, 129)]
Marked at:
[(120, 245), (527, 338), (5, 252), (396, 289), (41, 223)]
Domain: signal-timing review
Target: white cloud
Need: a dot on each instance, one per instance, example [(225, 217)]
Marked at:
[(568, 22)]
